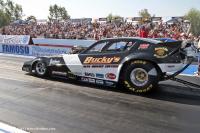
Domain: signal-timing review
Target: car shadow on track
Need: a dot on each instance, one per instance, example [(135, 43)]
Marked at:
[(157, 94), (175, 97)]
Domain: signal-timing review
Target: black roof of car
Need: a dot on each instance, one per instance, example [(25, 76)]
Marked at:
[(134, 38)]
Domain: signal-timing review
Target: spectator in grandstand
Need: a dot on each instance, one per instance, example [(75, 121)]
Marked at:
[(144, 32), (3, 31)]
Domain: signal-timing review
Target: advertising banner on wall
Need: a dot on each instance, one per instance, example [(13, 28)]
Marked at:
[(48, 51), (64, 42), (41, 47), (16, 49), (15, 39)]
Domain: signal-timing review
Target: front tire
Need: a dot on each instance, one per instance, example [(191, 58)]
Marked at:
[(41, 69), (140, 76)]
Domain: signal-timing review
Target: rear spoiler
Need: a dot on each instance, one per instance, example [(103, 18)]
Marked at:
[(172, 44), (175, 46)]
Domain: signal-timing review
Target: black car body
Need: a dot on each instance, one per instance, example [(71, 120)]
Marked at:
[(137, 63)]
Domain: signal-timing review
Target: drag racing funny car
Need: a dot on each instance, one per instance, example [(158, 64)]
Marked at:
[(137, 63)]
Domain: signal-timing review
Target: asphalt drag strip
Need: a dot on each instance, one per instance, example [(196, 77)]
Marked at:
[(61, 106)]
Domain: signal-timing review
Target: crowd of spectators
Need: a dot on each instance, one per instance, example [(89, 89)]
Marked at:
[(99, 30)]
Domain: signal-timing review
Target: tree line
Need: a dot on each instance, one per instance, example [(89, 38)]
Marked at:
[(9, 11)]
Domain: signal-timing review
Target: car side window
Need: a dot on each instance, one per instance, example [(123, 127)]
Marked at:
[(97, 48), (119, 46)]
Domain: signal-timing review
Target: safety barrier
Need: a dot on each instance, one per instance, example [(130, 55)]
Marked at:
[(24, 45), (64, 42)]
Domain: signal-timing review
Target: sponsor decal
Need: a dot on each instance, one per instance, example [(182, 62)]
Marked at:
[(143, 46), (89, 74), (99, 75), (138, 90), (16, 49), (139, 62), (97, 66), (110, 76), (86, 66), (171, 66), (111, 66), (109, 83), (78, 73), (129, 86), (161, 52), (91, 80), (54, 61), (144, 90), (100, 66), (101, 60), (99, 82)]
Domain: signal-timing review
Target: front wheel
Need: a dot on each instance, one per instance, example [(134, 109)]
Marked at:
[(140, 76), (41, 69)]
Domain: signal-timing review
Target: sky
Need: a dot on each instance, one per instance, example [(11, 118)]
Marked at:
[(101, 8)]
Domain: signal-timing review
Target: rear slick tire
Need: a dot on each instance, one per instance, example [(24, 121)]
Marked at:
[(140, 76)]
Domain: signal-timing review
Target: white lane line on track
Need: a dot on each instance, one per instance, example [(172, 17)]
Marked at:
[(4, 128)]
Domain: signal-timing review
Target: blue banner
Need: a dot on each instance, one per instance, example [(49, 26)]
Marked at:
[(64, 42), (16, 49), (39, 51)]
